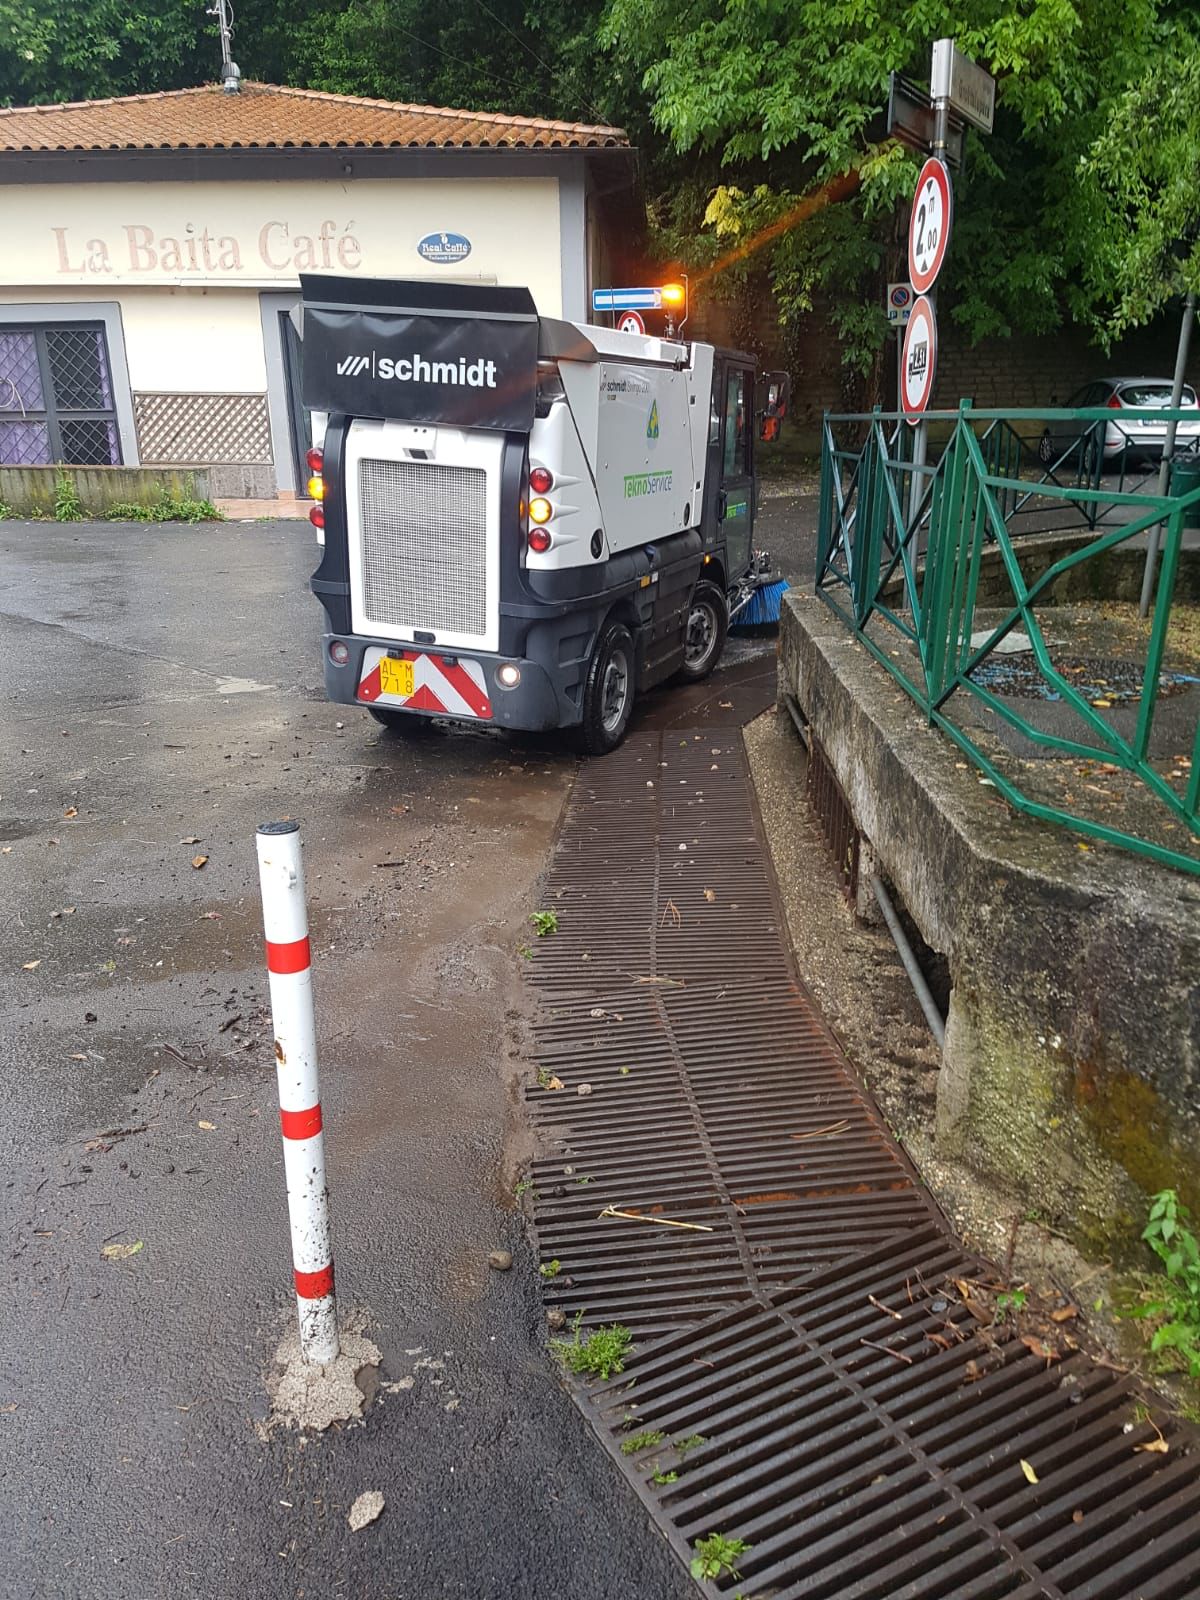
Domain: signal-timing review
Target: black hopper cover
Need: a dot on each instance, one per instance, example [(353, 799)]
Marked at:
[(452, 353)]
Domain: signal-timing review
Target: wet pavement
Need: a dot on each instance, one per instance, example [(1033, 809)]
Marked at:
[(163, 698)]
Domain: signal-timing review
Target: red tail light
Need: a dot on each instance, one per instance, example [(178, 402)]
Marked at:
[(541, 481), (539, 540), (317, 516), (1114, 403), (314, 459)]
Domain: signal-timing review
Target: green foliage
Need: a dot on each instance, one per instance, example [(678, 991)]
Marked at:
[(1175, 1303), (5, 510), (641, 1441), (600, 1355), (544, 922), (83, 49), (1010, 1301), (68, 507), (692, 1442), (661, 1477), (716, 1555), (167, 506), (550, 1269)]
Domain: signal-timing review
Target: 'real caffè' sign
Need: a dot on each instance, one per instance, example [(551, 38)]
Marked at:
[(275, 249)]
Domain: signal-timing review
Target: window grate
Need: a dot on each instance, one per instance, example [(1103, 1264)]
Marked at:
[(56, 397)]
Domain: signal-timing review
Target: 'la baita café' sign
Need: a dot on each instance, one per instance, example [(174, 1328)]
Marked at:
[(136, 248)]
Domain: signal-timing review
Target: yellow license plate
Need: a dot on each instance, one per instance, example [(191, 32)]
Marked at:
[(396, 677)]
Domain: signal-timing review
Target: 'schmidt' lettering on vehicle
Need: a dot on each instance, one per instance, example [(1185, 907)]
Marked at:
[(638, 484), (479, 374), (627, 384)]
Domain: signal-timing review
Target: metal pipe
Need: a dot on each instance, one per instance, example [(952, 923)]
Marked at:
[(798, 718), (916, 977), (1164, 471)]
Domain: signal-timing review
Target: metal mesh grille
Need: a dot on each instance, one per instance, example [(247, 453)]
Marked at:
[(20, 379), (424, 545), (25, 444), (78, 369)]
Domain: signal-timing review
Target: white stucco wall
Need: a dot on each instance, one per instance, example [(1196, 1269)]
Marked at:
[(262, 234)]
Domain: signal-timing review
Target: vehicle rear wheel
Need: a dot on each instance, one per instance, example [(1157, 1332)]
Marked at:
[(608, 691), (707, 625), (1045, 448), (405, 723)]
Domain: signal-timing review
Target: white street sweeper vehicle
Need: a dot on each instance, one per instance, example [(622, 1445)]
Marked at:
[(526, 521)]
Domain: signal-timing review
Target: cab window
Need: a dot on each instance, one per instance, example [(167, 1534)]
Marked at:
[(737, 428)]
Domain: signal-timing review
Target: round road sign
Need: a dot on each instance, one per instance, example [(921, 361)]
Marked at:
[(919, 360), (929, 225), (630, 323)]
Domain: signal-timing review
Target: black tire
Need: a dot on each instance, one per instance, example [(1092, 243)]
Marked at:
[(607, 691), (1046, 448), (1088, 458), (704, 636), (408, 724)]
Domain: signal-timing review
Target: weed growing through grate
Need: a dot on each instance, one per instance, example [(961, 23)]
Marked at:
[(665, 1477), (1175, 1304), (716, 1555), (601, 1354), (641, 1441), (544, 922), (550, 1269), (68, 507), (692, 1442), (1009, 1302)]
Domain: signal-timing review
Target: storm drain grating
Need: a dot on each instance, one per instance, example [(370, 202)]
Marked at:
[(712, 1176)]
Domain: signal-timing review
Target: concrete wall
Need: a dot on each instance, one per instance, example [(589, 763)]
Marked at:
[(29, 491), (1071, 1069)]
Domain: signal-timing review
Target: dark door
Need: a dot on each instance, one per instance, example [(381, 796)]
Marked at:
[(299, 418), (735, 502)]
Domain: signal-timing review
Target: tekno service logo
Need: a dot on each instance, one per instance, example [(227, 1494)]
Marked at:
[(444, 249)]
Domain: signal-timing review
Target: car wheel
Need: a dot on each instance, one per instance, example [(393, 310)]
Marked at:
[(1046, 448), (408, 724), (608, 691), (704, 638), (1089, 457)]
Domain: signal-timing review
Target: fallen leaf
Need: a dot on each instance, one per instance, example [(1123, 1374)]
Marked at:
[(1030, 1474), (710, 895), (1037, 1348), (365, 1509), (210, 916), (1158, 1447), (554, 1083), (207, 1126), (5, 850), (1077, 1516), (77, 1055), (1103, 704), (198, 862), (1064, 1313), (192, 838), (120, 1252), (31, 966), (71, 811)]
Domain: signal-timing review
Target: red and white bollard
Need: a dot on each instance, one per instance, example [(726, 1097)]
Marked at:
[(289, 963)]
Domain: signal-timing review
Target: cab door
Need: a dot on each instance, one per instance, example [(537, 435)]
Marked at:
[(735, 495)]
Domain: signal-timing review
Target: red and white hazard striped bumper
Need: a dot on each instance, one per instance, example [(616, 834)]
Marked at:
[(448, 686)]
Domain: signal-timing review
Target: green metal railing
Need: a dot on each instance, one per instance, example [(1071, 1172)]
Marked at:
[(899, 552)]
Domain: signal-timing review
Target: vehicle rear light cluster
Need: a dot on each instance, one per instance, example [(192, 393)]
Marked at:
[(314, 460), (541, 481), (1114, 403)]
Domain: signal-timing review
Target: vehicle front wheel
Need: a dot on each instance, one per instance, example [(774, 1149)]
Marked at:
[(707, 625), (608, 691)]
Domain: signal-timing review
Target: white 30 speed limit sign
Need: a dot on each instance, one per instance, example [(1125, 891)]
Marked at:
[(918, 362), (929, 225)]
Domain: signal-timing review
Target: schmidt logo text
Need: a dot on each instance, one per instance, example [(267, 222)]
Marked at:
[(479, 374)]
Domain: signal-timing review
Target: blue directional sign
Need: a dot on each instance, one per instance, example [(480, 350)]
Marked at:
[(626, 299)]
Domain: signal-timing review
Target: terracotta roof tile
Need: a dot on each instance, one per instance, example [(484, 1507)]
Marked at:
[(266, 116)]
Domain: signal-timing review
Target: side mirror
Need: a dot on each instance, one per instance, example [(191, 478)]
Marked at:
[(778, 386)]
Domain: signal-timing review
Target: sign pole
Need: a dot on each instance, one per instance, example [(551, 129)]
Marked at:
[(921, 441)]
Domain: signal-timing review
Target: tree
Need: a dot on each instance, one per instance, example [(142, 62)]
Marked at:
[(85, 49), (786, 96)]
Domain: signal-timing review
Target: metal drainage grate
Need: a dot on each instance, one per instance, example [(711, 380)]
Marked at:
[(839, 1406)]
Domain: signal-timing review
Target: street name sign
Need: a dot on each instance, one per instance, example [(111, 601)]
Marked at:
[(626, 299), (918, 363), (912, 119), (965, 87), (929, 225)]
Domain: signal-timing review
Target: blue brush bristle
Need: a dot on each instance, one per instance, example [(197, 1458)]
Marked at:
[(764, 606)]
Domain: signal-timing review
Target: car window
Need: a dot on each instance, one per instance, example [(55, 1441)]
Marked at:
[(736, 431), (1079, 398), (1153, 394)]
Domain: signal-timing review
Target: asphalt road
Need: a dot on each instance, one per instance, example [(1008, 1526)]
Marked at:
[(161, 700)]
